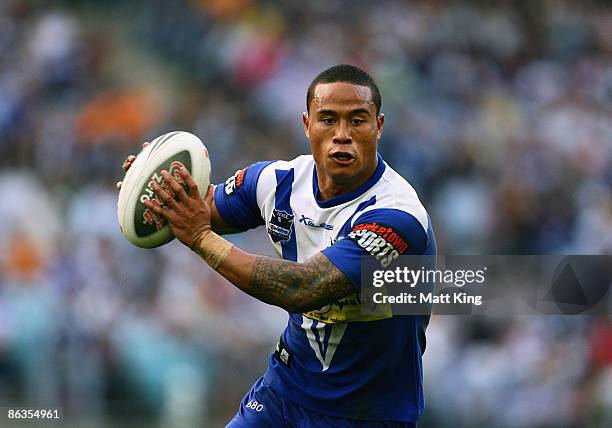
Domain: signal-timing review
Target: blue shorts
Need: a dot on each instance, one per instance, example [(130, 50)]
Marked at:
[(264, 408)]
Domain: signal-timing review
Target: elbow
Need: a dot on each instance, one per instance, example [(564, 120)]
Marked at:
[(296, 308), (292, 308), (302, 296)]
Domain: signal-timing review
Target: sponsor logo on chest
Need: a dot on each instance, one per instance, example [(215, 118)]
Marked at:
[(380, 240)]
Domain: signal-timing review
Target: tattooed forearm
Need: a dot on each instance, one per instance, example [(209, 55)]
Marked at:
[(298, 287)]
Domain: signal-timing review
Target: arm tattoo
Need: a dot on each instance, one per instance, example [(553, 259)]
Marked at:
[(298, 287)]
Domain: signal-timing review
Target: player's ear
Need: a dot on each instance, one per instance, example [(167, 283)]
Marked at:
[(305, 122), (380, 122)]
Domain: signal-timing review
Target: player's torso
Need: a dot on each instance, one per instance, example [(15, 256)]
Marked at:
[(299, 226), (338, 353), (293, 217)]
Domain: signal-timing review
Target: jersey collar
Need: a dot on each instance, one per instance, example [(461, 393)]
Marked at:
[(345, 197)]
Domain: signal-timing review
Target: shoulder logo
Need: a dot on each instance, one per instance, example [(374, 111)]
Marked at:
[(380, 240), (234, 182), (280, 225)]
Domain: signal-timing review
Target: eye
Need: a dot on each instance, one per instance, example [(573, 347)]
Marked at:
[(328, 120), (357, 122)]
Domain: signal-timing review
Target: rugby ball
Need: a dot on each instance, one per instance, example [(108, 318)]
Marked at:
[(168, 152)]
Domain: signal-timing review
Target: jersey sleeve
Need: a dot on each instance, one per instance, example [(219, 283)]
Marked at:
[(384, 234), (236, 199)]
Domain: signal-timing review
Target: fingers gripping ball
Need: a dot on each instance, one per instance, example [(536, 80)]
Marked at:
[(169, 152)]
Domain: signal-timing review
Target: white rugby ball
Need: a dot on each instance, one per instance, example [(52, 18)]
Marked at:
[(170, 151)]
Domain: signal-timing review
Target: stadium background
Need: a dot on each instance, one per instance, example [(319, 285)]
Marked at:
[(500, 116)]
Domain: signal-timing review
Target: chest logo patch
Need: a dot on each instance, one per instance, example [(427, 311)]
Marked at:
[(280, 226), (380, 240)]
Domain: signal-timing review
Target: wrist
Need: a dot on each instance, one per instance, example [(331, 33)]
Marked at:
[(198, 237), (211, 247)]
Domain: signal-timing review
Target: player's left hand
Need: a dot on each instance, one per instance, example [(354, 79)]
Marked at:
[(188, 214)]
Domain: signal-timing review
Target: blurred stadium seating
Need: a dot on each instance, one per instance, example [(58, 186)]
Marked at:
[(499, 113)]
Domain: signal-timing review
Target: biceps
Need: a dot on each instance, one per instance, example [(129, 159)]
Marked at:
[(217, 223)]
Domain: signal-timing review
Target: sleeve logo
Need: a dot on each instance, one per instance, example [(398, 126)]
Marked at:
[(380, 241), (234, 182)]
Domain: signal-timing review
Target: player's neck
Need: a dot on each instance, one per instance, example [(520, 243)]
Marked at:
[(330, 188)]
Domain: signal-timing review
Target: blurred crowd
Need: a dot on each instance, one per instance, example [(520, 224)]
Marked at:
[(498, 113)]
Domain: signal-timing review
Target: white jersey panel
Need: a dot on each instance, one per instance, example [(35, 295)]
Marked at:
[(316, 227)]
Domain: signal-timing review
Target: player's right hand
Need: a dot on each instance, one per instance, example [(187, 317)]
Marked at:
[(127, 163)]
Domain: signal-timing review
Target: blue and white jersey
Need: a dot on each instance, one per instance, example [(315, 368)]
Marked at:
[(342, 363)]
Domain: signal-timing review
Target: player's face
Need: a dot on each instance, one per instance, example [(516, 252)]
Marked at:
[(343, 130)]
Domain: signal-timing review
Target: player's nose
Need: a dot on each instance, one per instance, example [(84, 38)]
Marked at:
[(342, 134)]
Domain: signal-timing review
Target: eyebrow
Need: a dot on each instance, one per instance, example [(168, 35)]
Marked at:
[(352, 112)]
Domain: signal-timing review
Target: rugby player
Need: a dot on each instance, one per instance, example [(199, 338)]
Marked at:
[(333, 366)]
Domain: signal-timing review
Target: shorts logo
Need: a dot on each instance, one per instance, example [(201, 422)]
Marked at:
[(280, 226), (254, 405), (284, 356), (380, 240), (235, 182)]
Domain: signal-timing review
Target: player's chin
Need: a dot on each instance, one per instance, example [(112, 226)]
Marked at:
[(343, 172)]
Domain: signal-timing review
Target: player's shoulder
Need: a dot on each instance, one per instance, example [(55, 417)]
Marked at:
[(394, 192), (396, 217), (300, 162), (299, 166), (266, 170)]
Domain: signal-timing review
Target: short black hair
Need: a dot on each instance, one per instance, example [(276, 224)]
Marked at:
[(349, 74)]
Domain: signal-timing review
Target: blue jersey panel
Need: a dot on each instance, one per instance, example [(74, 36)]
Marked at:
[(282, 209), (236, 199)]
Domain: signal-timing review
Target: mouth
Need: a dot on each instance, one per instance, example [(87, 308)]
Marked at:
[(343, 158)]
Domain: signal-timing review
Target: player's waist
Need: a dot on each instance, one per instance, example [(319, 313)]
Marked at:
[(355, 391)]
